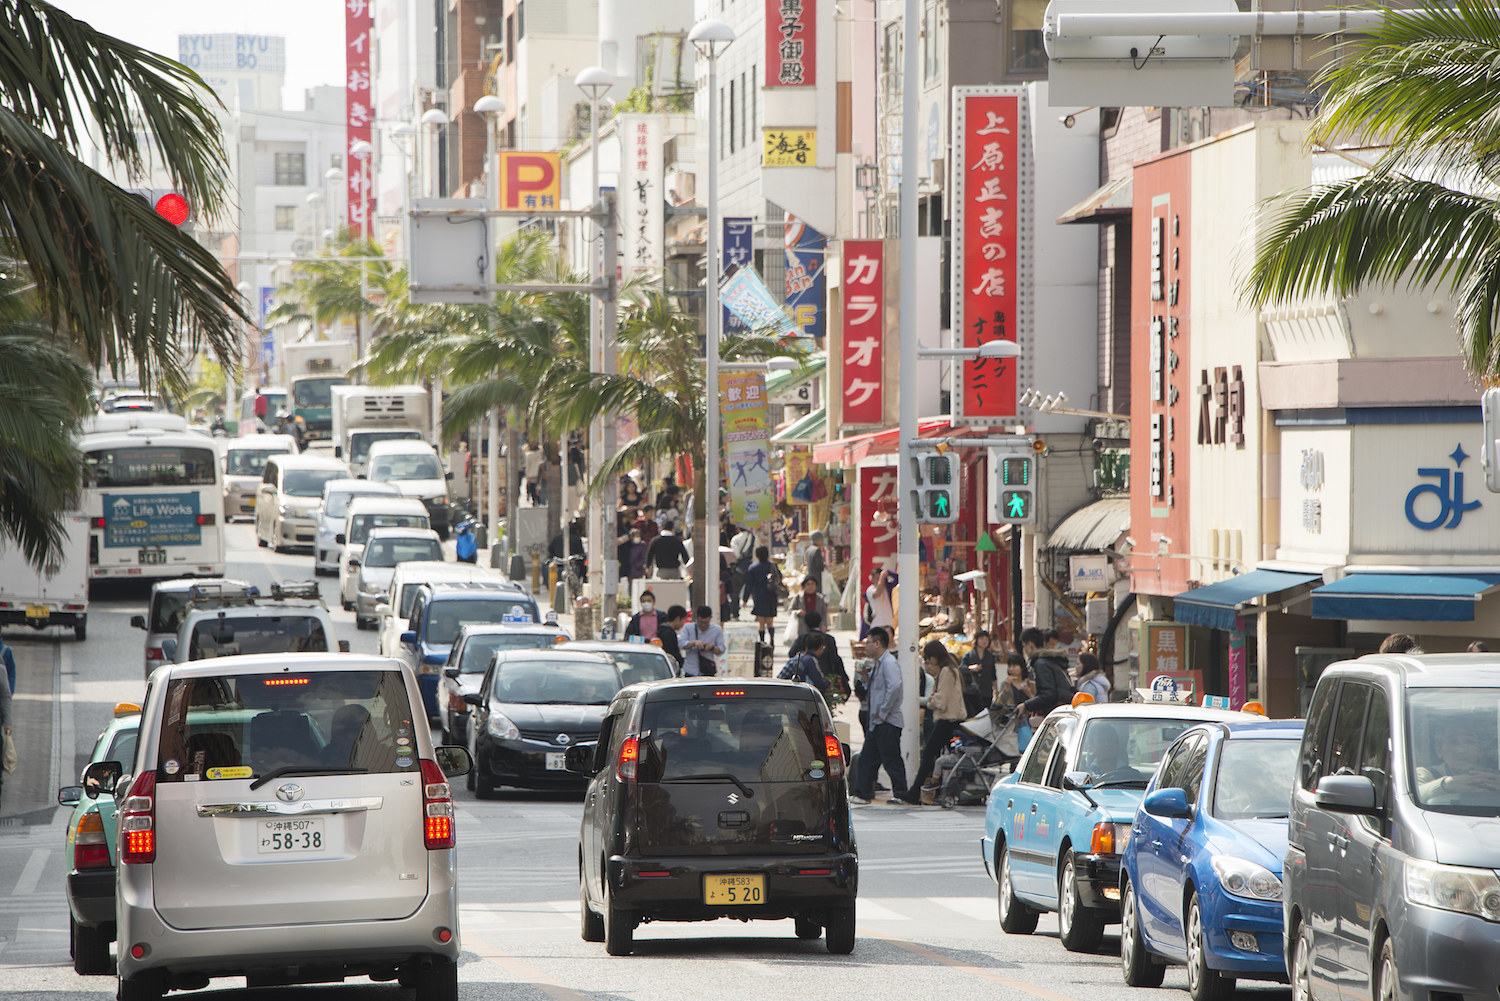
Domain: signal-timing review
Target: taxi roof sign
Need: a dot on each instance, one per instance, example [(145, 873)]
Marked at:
[(1171, 696)]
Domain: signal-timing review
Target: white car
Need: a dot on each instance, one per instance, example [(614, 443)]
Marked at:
[(244, 461), (365, 515), (293, 619), (396, 611), (169, 603), (384, 550), (337, 495), (416, 470), (291, 488)]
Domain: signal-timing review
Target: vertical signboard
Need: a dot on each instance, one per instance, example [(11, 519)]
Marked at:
[(267, 339), (359, 31), (739, 251), (878, 492), (991, 193), (642, 209), (864, 331), (1164, 654), (747, 448), (791, 43), (804, 277)]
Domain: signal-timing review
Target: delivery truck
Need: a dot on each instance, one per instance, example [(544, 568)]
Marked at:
[(57, 595), (313, 369), (363, 415)]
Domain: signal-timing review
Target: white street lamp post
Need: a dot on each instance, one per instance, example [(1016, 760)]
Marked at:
[(491, 107), (711, 36), (434, 119), (315, 202), (363, 150)]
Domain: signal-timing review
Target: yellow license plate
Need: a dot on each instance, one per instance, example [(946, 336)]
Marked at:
[(734, 889), (38, 612)]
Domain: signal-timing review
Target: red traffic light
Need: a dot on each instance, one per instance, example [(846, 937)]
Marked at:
[(173, 208)]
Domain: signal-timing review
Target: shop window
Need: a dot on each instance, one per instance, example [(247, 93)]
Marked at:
[(286, 218), (1024, 29)]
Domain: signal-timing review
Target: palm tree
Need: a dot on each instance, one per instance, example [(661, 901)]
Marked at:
[(1427, 79)]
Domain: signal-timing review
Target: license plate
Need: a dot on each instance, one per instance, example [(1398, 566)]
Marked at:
[(556, 761), (734, 889), (291, 837), (37, 611), (153, 557)]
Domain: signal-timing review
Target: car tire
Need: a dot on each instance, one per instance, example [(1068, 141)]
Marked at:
[(469, 779), (840, 931), (808, 929), (1387, 985), (81, 629), (1079, 927), (348, 605), (1136, 964), (483, 787), (1015, 917), (147, 986), (1204, 983), (437, 980), (591, 924), (258, 540), (1300, 972), (619, 926)]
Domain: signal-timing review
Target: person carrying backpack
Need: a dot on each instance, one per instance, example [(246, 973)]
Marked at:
[(803, 667)]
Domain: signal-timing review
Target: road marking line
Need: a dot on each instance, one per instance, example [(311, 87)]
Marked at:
[(31, 873), (936, 957), (523, 971), (978, 908), (870, 911)]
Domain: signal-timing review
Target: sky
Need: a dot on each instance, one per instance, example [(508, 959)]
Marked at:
[(313, 29)]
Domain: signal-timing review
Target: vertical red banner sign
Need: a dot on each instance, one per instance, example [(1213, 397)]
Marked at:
[(991, 198), (878, 493), (791, 43), (359, 104), (864, 331)]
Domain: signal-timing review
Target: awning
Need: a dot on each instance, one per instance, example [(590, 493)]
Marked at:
[(1217, 605), (1442, 597), (1092, 527), (849, 451), (805, 430), (1110, 203), (784, 380)]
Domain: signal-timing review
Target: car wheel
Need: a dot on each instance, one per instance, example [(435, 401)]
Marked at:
[(147, 986), (1136, 964), (437, 980), (840, 931), (1204, 983), (90, 950), (1302, 965), (808, 928), (362, 623), (1015, 917), (1079, 927), (483, 787), (619, 926), (81, 629), (592, 924), (258, 540), (348, 605), (1387, 982)]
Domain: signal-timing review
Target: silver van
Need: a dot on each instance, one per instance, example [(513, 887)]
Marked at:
[(288, 821), (1390, 885)]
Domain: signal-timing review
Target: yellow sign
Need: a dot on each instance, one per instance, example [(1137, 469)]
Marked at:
[(529, 180), (790, 148)]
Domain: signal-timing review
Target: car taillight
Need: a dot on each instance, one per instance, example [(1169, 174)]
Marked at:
[(630, 755), (98, 522), (205, 519), (437, 806), (834, 751), (90, 851), (137, 832), (155, 653)]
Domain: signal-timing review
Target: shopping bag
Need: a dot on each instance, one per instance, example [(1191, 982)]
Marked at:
[(789, 634), (9, 759), (802, 493)]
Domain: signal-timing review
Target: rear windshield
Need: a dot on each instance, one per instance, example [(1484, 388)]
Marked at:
[(336, 502), (249, 461), (316, 392), (363, 524), (409, 466), (588, 683), (389, 552), (242, 726), (359, 444), (474, 658), (445, 617), (637, 666), (753, 739), (309, 482), (229, 637)]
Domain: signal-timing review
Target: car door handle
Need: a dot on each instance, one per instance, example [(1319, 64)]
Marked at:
[(1338, 841), (1156, 846), (1009, 803), (1033, 808)]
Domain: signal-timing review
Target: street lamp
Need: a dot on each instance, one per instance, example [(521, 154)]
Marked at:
[(363, 150), (710, 37), (315, 202), (491, 107), (331, 178), (434, 118)]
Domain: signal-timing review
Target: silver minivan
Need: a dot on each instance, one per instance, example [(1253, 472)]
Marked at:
[(288, 821), (1390, 885)]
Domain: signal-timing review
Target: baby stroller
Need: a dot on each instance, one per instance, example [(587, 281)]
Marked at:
[(985, 748)]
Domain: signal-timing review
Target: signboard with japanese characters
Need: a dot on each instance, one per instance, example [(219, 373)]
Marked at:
[(642, 209), (529, 180), (791, 43), (789, 148), (739, 250), (877, 523), (804, 277), (991, 193), (863, 344), (359, 114), (747, 447), (1164, 654), (744, 294)]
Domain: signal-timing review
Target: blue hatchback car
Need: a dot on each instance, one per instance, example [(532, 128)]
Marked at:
[(1200, 880)]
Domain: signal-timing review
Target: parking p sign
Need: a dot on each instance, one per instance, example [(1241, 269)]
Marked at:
[(529, 180)]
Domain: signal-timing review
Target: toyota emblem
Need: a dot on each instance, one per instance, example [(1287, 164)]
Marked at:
[(564, 739), (289, 793)]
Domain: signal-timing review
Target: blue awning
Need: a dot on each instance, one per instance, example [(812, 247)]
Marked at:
[(1218, 605), (1444, 597)]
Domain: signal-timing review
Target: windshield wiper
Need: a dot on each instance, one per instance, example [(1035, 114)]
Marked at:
[(277, 773), (1121, 782), (713, 775)]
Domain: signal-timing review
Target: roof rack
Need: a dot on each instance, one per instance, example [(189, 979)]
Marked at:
[(221, 592), (296, 589)]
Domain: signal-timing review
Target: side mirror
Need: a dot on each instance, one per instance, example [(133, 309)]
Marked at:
[(137, 622), (343, 646), (354, 563), (474, 698), (338, 451), (409, 638), (448, 475), (340, 539), (1347, 794), (1076, 780), (101, 777), (453, 759), (451, 672), (69, 795), (382, 608), (1169, 803), (580, 758), (169, 649)]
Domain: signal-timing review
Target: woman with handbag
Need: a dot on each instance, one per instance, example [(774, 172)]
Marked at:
[(946, 704), (760, 589), (804, 601), (979, 675)]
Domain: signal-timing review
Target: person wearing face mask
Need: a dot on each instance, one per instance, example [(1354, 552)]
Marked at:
[(648, 622)]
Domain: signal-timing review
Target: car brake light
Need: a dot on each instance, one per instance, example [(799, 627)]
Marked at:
[(630, 753), (205, 519), (90, 851), (98, 522), (437, 806), (835, 754), (137, 831), (276, 682)]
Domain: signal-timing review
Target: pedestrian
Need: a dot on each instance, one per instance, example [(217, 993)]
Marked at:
[(882, 745), (1049, 672), (6, 719), (946, 704), (829, 661), (1479, 646), (760, 589), (533, 460), (807, 601), (667, 554), (676, 617), (879, 609), (262, 408), (647, 525), (632, 556), (630, 492), (702, 644), (980, 689), (1014, 691), (1092, 678), (812, 557), (804, 667), (9, 660), (1400, 643), (647, 623)]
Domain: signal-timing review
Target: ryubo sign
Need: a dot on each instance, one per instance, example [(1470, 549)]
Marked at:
[(136, 520)]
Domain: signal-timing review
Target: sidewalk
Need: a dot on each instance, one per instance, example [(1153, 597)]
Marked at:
[(30, 793)]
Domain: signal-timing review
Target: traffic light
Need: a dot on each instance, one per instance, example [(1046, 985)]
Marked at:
[(938, 479), (1013, 483), (168, 204)]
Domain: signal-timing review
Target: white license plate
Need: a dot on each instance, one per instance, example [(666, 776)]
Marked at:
[(153, 557), (291, 836), (557, 761)]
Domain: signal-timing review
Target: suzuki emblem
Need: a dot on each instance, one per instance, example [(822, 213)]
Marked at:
[(733, 798), (289, 793)]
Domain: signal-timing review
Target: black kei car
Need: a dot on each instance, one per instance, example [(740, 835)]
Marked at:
[(530, 708), (716, 799)]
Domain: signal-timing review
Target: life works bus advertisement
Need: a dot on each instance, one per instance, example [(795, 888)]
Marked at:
[(158, 519)]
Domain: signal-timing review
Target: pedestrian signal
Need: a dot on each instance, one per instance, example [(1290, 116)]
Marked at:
[(1012, 483), (938, 480)]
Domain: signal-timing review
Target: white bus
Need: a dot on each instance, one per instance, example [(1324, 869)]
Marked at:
[(155, 503)]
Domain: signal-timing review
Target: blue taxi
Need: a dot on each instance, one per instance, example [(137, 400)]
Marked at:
[(1055, 827)]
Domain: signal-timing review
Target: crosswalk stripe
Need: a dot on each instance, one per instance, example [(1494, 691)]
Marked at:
[(978, 908)]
